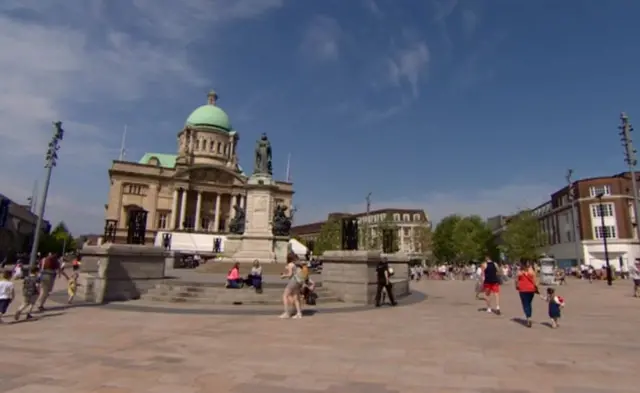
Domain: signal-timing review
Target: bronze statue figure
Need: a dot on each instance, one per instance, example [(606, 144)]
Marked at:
[(237, 223), (263, 157), (281, 223)]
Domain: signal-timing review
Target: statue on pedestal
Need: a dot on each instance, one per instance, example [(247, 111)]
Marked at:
[(237, 223), (281, 223), (263, 156)]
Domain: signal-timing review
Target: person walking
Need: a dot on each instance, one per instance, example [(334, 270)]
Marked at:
[(491, 284), (634, 274), (383, 274), (50, 268), (527, 289)]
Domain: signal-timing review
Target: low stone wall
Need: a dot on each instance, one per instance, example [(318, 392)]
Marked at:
[(351, 275), (119, 272)]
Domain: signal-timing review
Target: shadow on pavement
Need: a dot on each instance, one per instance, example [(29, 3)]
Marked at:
[(37, 318)]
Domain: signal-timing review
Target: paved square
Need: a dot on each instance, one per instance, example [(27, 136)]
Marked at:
[(442, 345)]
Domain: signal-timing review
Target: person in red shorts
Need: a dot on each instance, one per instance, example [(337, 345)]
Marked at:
[(491, 284)]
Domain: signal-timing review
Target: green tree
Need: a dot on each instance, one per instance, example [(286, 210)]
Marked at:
[(472, 239), (522, 238), (443, 246), (387, 224), (59, 240), (423, 239), (329, 238)]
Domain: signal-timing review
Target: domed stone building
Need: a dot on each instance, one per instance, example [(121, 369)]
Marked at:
[(193, 191)]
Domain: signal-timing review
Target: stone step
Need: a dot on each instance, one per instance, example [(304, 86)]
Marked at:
[(246, 299), (197, 285), (245, 268), (208, 291)]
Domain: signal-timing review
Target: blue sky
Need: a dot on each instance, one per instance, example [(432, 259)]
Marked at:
[(451, 106)]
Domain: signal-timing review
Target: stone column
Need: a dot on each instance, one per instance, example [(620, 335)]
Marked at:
[(174, 210), (183, 209), (153, 207), (117, 215), (198, 208), (233, 201), (216, 225)]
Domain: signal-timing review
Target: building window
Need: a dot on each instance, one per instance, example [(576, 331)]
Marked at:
[(204, 224), (406, 217), (597, 190), (406, 231), (135, 189), (219, 148), (396, 217), (163, 220), (605, 210), (608, 230), (569, 237), (416, 217)]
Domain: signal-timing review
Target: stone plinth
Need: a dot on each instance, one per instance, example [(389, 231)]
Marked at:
[(351, 275), (118, 272), (258, 241)]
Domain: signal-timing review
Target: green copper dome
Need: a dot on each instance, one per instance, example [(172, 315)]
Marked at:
[(210, 115)]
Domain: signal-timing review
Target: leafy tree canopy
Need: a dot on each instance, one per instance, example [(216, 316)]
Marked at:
[(59, 240), (329, 237), (444, 248), (423, 239), (472, 238), (522, 238)]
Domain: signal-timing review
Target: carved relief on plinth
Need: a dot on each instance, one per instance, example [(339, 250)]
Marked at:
[(261, 204)]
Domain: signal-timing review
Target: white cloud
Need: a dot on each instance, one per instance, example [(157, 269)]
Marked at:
[(470, 22), (322, 39), (505, 199), (59, 55), (410, 65), (373, 7)]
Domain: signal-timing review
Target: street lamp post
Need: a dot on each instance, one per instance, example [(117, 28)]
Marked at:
[(574, 216), (51, 159), (366, 222), (630, 158), (604, 239)]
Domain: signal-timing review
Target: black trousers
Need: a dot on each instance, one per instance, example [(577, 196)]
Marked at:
[(389, 288)]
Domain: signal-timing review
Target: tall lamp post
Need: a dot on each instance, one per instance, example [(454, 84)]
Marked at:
[(604, 239), (574, 216), (50, 161), (631, 160), (366, 222)]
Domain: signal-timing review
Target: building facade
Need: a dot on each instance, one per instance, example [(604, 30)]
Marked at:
[(409, 223), (17, 228), (556, 222), (194, 190)]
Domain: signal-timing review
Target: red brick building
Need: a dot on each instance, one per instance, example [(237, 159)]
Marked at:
[(556, 222)]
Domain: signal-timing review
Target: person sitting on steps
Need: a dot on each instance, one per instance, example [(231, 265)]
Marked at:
[(234, 280), (254, 279)]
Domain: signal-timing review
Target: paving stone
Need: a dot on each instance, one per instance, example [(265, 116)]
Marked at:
[(441, 345)]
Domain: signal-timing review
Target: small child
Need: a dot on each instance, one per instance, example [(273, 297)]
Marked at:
[(30, 292), (72, 285), (556, 304), (18, 272), (7, 292)]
